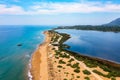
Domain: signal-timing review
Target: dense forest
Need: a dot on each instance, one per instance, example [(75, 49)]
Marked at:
[(90, 27)]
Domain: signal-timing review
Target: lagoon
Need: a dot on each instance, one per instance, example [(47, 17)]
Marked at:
[(104, 45)]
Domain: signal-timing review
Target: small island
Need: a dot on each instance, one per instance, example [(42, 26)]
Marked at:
[(20, 44), (52, 61)]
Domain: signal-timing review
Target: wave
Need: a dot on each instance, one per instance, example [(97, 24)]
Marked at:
[(29, 73)]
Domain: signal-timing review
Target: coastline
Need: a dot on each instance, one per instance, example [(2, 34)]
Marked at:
[(44, 66), (39, 61)]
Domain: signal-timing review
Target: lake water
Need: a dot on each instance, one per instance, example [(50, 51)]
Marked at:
[(105, 45), (14, 59)]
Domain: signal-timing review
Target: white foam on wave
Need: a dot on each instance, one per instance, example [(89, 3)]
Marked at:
[(30, 77), (29, 73), (27, 55)]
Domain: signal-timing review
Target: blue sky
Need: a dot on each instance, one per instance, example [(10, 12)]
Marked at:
[(58, 12)]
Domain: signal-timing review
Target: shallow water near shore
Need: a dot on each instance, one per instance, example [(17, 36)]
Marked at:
[(105, 45), (14, 59)]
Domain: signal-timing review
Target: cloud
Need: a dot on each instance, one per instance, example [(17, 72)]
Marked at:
[(11, 10), (60, 8)]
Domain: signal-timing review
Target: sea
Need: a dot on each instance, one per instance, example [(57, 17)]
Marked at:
[(14, 59)]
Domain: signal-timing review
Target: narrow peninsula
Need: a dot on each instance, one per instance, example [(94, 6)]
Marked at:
[(53, 61)]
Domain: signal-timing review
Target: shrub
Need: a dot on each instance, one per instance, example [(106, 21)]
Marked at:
[(78, 76), (77, 70), (99, 73), (71, 60), (59, 66), (68, 64), (113, 78), (76, 65), (87, 78), (86, 72), (62, 62)]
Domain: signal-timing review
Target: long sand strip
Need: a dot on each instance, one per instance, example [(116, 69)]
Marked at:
[(39, 61)]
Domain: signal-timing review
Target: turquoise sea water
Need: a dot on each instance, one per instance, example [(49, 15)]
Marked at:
[(14, 59), (105, 45)]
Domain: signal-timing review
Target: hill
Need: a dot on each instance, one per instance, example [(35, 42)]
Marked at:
[(115, 22)]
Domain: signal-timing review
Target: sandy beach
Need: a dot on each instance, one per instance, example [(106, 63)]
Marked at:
[(46, 65), (39, 61)]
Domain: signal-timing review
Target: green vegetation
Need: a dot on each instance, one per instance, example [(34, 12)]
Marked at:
[(68, 64), (75, 65), (77, 70), (86, 72), (78, 76), (113, 70), (59, 66), (71, 60), (90, 27), (87, 78), (99, 73), (113, 78), (60, 54), (64, 37), (66, 73), (62, 62), (109, 75)]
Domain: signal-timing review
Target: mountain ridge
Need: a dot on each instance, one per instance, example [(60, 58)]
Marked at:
[(115, 22)]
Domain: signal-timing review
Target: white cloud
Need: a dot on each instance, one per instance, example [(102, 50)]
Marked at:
[(61, 8), (11, 10)]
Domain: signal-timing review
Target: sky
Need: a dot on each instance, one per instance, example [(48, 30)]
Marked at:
[(58, 12)]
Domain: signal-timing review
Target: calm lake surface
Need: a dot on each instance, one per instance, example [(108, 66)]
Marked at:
[(14, 59), (105, 45)]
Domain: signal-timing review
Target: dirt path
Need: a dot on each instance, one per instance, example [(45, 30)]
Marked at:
[(87, 68)]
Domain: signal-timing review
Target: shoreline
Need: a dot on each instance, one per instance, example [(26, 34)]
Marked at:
[(44, 66), (32, 63), (37, 62), (29, 70), (110, 62)]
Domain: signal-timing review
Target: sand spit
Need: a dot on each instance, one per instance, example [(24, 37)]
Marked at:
[(50, 63)]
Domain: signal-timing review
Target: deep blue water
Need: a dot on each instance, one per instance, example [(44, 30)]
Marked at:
[(14, 59), (105, 45)]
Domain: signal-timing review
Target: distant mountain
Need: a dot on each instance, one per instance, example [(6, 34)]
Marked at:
[(115, 22)]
